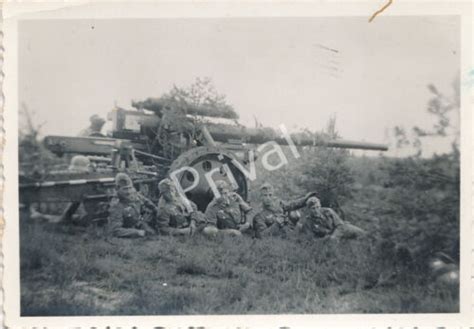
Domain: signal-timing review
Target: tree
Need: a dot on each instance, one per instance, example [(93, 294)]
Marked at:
[(199, 98), (425, 191), (34, 158), (326, 170), (445, 110)]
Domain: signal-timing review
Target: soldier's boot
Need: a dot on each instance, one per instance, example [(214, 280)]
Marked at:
[(348, 231), (36, 215), (244, 227), (129, 233), (354, 232), (230, 232), (210, 231)]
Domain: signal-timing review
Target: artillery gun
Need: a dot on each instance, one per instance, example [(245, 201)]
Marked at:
[(157, 139)]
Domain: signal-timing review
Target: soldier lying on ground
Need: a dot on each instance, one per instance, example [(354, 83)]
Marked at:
[(128, 216), (228, 211), (175, 218), (326, 223), (277, 217)]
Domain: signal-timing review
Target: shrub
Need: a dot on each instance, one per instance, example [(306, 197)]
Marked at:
[(424, 195)]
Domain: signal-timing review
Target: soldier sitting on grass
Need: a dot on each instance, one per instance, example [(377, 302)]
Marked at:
[(326, 223), (228, 211), (277, 217), (177, 218), (129, 211)]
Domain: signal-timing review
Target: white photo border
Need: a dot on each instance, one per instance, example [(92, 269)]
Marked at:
[(15, 12)]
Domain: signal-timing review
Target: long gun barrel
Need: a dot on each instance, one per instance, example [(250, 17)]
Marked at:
[(228, 133), (234, 133)]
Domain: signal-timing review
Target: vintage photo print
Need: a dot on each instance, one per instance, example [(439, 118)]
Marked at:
[(237, 164)]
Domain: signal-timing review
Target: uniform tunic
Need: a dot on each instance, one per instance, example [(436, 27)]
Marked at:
[(328, 223), (276, 215), (322, 225), (127, 217), (175, 215), (227, 214), (88, 132)]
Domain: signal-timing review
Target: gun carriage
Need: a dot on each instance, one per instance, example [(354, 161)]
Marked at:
[(155, 140)]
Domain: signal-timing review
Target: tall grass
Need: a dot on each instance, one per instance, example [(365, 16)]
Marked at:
[(75, 273)]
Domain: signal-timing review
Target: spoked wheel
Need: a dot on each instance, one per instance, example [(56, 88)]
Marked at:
[(206, 160)]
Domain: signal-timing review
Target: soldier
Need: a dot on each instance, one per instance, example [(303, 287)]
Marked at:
[(78, 164), (83, 213), (175, 217), (95, 127), (228, 211), (128, 211), (277, 217), (325, 223)]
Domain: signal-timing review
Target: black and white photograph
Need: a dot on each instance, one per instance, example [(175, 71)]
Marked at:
[(240, 165)]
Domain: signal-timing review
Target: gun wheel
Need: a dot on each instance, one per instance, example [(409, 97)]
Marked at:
[(210, 164)]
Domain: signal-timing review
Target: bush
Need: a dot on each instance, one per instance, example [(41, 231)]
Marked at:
[(424, 195), (326, 171)]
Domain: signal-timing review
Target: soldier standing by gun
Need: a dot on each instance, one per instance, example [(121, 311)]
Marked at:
[(174, 218), (228, 211), (95, 128), (277, 217), (127, 211), (326, 223)]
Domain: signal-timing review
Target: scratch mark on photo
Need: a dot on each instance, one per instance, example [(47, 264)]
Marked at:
[(380, 10)]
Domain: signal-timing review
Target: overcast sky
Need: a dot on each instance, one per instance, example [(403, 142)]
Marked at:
[(295, 71)]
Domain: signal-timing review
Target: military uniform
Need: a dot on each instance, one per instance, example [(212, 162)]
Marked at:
[(174, 215), (227, 213), (95, 127), (86, 132), (274, 218), (322, 225), (73, 211), (327, 223), (130, 215), (277, 217), (78, 210)]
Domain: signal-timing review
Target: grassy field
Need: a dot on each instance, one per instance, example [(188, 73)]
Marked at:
[(407, 205), (67, 270)]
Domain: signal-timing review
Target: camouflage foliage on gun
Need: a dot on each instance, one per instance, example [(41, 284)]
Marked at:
[(157, 139)]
